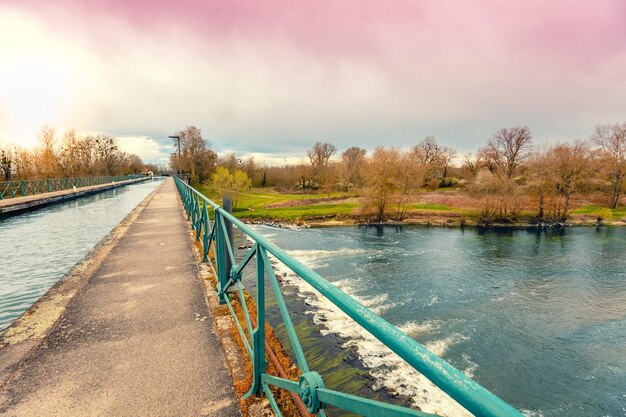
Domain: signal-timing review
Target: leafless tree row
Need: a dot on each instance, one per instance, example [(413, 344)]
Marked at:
[(509, 175), (72, 155)]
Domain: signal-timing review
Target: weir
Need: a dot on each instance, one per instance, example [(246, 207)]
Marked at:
[(218, 252)]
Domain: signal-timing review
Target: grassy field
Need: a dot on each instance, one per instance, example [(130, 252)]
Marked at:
[(602, 212), (266, 204)]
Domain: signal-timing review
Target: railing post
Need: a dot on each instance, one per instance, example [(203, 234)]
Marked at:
[(224, 264), (220, 255), (206, 236), (227, 204), (188, 203), (194, 214), (23, 186), (199, 221), (258, 336)]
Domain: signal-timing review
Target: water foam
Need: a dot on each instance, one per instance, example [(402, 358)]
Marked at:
[(389, 371), (317, 258)]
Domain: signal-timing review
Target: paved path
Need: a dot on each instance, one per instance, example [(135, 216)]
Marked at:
[(29, 202), (137, 340)]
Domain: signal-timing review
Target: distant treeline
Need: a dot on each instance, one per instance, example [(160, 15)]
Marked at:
[(507, 175), (72, 155)]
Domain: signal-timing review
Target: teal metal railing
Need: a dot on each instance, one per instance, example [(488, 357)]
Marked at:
[(21, 188), (310, 388)]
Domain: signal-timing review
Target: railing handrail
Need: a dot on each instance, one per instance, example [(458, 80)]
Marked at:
[(25, 187), (71, 178), (467, 392)]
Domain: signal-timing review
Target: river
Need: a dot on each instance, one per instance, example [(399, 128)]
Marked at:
[(537, 317), (38, 248)]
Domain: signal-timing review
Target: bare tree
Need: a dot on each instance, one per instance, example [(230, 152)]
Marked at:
[(249, 166), (87, 155), (320, 154), (445, 159), (405, 173), (353, 160), (472, 163), (134, 164), (506, 150), (69, 156), (433, 160), (47, 158), (197, 158), (503, 156), (611, 139), (381, 182), (76, 156), (25, 166), (557, 174), (6, 162), (304, 176), (230, 162), (107, 153), (427, 151)]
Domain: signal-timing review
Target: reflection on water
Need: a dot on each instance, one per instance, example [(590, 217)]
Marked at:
[(537, 317), (38, 248)]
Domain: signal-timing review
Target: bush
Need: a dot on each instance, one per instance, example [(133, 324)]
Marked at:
[(448, 182)]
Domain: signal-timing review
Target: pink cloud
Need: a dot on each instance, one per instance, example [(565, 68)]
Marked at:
[(574, 32), (354, 65)]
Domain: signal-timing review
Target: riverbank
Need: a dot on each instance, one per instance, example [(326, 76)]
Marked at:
[(429, 221), (440, 208)]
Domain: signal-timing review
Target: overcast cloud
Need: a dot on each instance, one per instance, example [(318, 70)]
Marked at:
[(270, 78)]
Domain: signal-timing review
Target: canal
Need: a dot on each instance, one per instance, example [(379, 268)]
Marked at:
[(38, 248)]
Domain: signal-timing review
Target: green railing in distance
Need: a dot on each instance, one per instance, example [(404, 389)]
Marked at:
[(310, 388), (22, 188)]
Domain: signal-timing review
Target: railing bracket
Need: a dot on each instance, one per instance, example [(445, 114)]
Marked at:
[(309, 383), (234, 275)]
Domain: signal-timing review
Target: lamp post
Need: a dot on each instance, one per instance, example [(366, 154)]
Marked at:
[(180, 169)]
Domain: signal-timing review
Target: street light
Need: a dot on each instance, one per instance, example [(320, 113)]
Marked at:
[(180, 169)]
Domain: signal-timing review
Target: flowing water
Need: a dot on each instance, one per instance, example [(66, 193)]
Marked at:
[(38, 248), (539, 318)]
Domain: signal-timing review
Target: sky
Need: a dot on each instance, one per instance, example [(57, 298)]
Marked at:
[(269, 78)]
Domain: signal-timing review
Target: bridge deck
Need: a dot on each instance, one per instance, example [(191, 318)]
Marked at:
[(137, 339), (9, 206)]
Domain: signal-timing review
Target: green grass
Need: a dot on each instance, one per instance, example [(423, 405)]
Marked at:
[(298, 212), (444, 209), (261, 197), (253, 204), (603, 212), (430, 206)]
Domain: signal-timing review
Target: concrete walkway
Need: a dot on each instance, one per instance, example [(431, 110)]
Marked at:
[(137, 340), (15, 205)]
